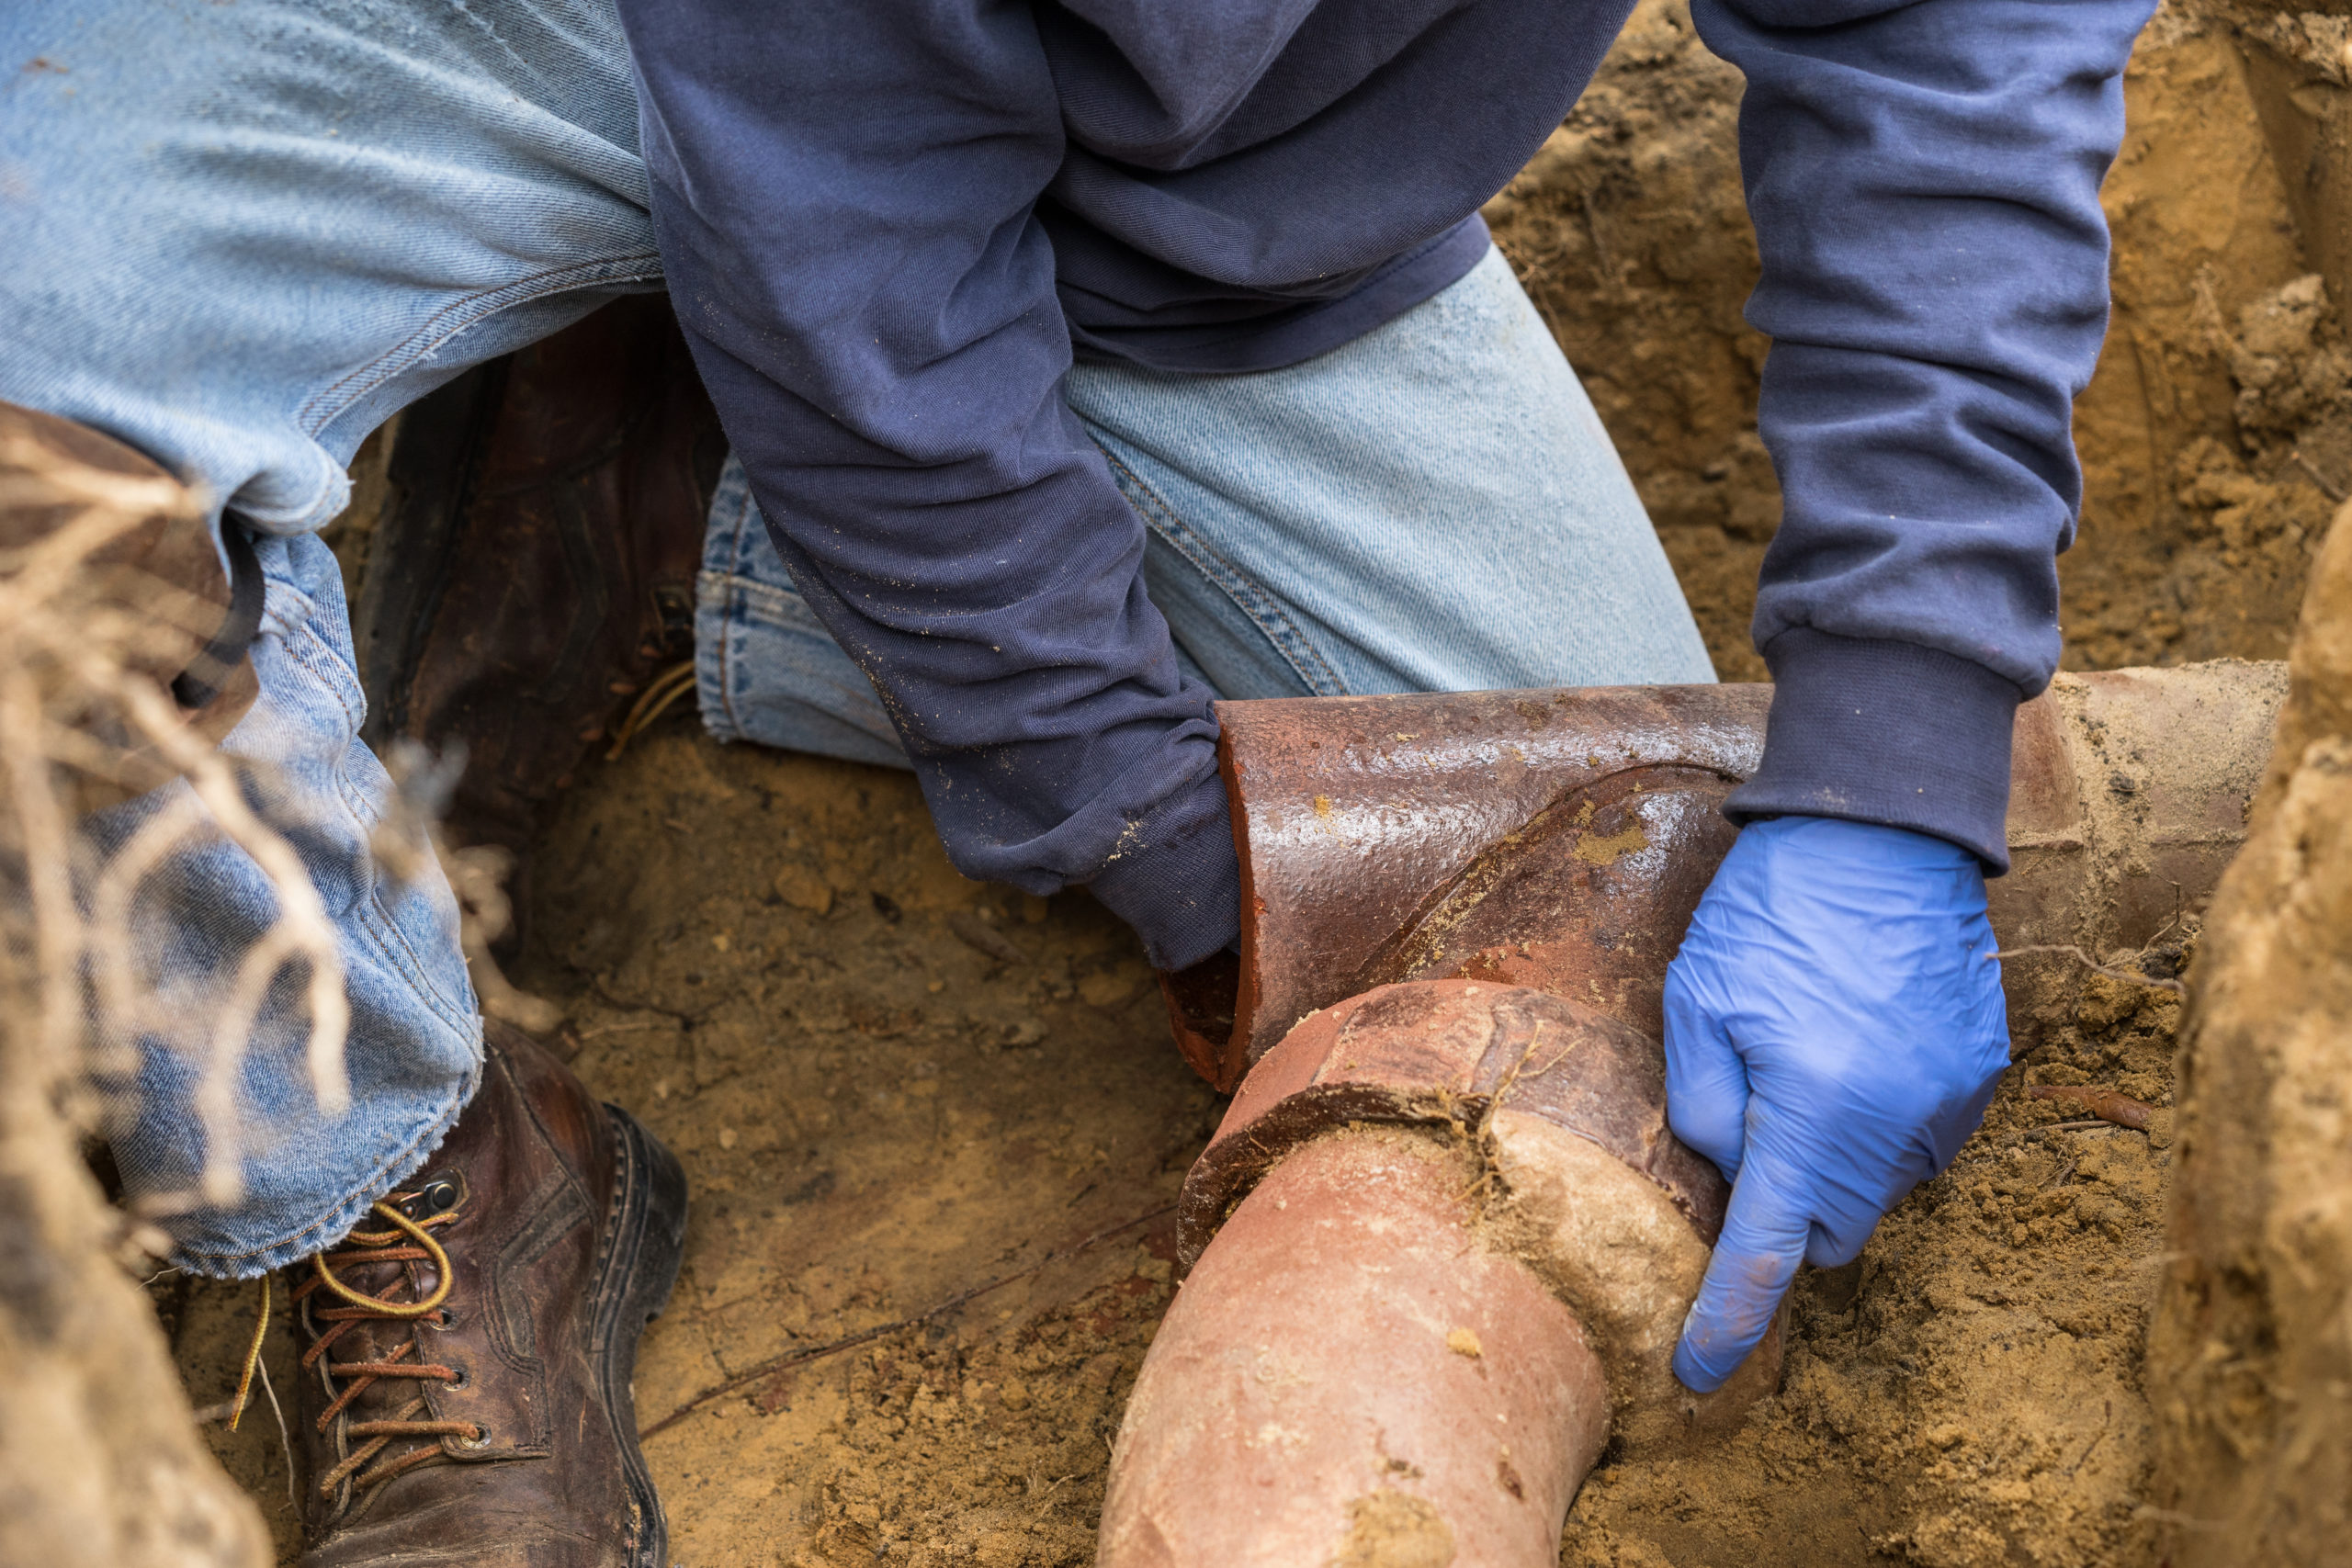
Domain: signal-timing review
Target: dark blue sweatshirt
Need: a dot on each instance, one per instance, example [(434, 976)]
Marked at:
[(888, 224)]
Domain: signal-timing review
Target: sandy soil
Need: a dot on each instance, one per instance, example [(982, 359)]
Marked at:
[(935, 1128), (934, 1131), (1968, 1393)]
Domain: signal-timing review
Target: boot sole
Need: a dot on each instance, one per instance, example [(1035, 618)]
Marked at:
[(644, 1242)]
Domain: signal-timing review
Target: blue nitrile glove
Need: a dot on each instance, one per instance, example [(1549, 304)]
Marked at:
[(1834, 1028)]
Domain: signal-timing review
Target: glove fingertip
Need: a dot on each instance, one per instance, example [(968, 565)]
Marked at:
[(1826, 1249), (1693, 1371), (1723, 1326), (1711, 1350), (1764, 1237)]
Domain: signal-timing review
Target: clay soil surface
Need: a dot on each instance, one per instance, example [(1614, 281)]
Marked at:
[(935, 1128), (934, 1132)]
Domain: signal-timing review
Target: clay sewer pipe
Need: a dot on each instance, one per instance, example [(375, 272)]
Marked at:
[(1442, 1244)]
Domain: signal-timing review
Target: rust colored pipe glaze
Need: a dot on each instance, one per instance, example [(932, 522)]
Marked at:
[(1561, 839)]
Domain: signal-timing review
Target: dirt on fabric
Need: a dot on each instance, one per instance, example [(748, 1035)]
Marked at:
[(935, 1129)]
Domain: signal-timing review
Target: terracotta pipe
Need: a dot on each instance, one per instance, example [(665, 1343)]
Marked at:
[(1441, 1247), (1445, 1205), (1441, 1411), (1560, 838)]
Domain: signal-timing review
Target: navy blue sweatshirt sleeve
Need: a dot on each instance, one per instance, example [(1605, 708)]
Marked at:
[(1924, 181), (883, 221), (845, 193)]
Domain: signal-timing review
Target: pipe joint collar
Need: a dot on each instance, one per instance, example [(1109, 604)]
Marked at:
[(1562, 1111)]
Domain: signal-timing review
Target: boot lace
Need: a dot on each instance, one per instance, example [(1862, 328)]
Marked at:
[(408, 1241)]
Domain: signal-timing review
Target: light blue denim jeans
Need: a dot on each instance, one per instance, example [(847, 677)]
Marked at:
[(238, 237), (1434, 507), (415, 1033)]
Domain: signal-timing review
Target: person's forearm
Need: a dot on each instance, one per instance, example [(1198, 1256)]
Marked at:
[(1924, 180), (871, 302)]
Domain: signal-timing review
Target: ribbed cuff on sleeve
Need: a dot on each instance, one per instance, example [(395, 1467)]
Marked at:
[(1885, 733), (1176, 879)]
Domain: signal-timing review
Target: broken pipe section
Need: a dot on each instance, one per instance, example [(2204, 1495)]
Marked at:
[(1443, 1243)]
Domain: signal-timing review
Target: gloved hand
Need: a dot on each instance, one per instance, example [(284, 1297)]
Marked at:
[(1834, 1029)]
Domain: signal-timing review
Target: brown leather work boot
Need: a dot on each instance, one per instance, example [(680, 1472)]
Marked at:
[(467, 1356), (535, 568)]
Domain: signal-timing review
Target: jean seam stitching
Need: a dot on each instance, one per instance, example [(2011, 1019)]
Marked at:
[(728, 648), (713, 627), (297, 608), (385, 933), (340, 679), (382, 930), (306, 647), (445, 324), (391, 943), (755, 598), (1279, 630)]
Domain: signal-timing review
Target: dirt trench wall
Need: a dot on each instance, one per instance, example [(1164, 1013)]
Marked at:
[(2215, 435), (2250, 1354), (2250, 1348)]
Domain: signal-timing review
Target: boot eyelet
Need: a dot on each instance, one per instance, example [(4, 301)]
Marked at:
[(463, 1379), (481, 1442), (446, 1318)]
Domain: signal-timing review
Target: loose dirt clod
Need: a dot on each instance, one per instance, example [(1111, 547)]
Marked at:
[(1395, 1529), (2106, 1105)]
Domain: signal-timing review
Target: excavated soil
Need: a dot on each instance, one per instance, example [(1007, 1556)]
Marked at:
[(1967, 1393), (934, 1132), (935, 1129)]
